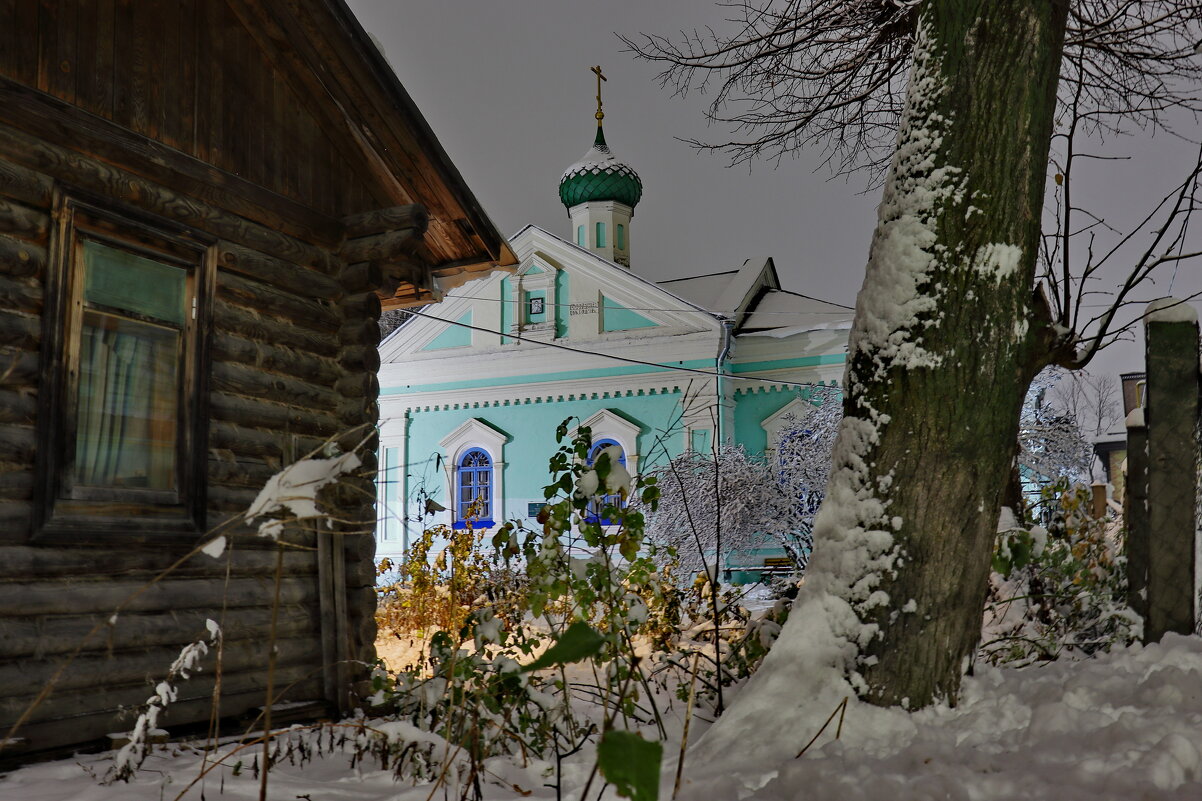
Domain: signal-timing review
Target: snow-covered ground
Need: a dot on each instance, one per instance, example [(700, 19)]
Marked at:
[(1127, 725)]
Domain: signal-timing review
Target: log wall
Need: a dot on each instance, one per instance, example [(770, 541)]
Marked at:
[(287, 352)]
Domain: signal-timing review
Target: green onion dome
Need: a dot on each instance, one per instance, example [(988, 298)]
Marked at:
[(598, 175)]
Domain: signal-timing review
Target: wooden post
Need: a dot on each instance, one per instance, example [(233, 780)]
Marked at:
[(1135, 512), (1172, 418), (1098, 507)]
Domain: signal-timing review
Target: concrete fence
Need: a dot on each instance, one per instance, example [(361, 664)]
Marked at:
[(1162, 476)]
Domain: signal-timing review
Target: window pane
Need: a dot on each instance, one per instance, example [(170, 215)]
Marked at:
[(128, 410), (121, 280)]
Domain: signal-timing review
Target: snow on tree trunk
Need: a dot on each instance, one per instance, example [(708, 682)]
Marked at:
[(942, 350), (941, 354)]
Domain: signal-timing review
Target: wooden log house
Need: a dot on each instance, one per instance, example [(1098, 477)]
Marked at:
[(204, 206)]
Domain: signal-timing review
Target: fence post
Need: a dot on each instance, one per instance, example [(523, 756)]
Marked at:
[(1171, 343), (1135, 512)]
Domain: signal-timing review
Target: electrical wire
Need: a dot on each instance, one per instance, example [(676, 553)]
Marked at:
[(694, 311), (625, 359)]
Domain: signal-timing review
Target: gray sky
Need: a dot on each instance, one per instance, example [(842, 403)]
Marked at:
[(507, 89)]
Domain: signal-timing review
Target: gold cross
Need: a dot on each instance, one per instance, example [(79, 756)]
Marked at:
[(600, 114)]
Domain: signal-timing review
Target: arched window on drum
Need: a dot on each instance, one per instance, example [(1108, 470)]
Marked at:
[(596, 509), (473, 489)]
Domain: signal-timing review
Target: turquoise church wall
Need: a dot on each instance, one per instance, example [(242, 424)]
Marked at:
[(752, 408), (530, 428)]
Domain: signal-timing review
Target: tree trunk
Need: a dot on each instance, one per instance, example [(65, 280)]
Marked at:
[(943, 348)]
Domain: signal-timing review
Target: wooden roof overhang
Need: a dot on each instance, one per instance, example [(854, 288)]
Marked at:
[(435, 235)]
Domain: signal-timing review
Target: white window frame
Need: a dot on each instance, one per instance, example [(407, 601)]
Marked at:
[(475, 433)]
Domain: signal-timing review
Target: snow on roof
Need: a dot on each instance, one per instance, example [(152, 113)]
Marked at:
[(704, 290), (779, 313)]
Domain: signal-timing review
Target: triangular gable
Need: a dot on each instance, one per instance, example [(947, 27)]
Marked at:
[(621, 288), (616, 317), (454, 336)]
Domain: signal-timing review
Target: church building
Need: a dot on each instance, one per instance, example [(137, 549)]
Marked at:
[(473, 388)]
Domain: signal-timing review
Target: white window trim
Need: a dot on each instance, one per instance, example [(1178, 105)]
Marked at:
[(797, 408), (475, 433), (606, 424)]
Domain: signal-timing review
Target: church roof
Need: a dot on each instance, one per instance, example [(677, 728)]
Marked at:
[(599, 175), (751, 296)]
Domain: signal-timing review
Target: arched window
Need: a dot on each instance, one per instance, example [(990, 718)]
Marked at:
[(620, 237), (600, 235), (473, 489), (580, 236), (597, 507)]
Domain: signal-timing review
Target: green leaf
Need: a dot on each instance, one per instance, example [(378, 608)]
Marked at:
[(630, 764), (580, 641)]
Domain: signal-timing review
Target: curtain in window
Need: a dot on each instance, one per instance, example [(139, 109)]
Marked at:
[(126, 427)]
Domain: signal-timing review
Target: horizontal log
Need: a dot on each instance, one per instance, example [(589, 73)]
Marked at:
[(263, 413), (18, 443), (356, 413), (21, 259), (91, 713), (264, 328), (69, 597), (244, 471), (16, 484), (127, 667), (15, 518), (364, 305), (29, 187), (281, 359), (257, 442), (20, 294), (231, 499), (17, 406), (383, 247), (360, 358), (358, 385), (110, 181), (361, 277), (23, 221), (42, 637), (239, 379), (19, 369), (304, 312), (66, 564), (362, 330), (18, 331), (303, 281), (378, 221)]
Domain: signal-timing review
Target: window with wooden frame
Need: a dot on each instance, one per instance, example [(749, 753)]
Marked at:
[(121, 444)]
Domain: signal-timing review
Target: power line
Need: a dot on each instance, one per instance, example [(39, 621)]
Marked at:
[(627, 360), (695, 311)]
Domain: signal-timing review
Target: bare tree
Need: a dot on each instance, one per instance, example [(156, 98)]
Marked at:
[(1092, 400), (790, 74), (696, 488), (1051, 443), (761, 502), (949, 328)]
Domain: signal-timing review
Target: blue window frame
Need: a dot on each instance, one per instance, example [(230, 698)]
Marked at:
[(473, 489), (593, 514)]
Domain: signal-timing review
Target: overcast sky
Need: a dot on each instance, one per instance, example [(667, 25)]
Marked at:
[(507, 89)]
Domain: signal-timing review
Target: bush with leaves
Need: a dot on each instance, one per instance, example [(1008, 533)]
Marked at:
[(1060, 591), (595, 585)]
